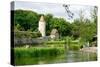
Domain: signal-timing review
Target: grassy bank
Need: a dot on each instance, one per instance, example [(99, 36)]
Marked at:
[(37, 52), (72, 45)]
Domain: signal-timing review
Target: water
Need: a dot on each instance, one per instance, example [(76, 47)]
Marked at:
[(69, 56)]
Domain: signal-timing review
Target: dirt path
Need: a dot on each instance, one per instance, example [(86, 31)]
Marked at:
[(89, 49)]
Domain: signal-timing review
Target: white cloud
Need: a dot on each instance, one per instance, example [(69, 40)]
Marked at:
[(56, 9)]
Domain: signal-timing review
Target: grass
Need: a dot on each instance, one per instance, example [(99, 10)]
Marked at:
[(55, 42), (74, 47), (51, 48), (37, 52), (33, 55)]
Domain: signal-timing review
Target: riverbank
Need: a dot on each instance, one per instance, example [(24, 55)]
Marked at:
[(37, 51), (89, 49)]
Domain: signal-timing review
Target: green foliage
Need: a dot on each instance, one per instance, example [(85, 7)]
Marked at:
[(63, 27), (84, 29), (74, 47), (55, 42), (88, 30), (26, 19), (37, 52), (80, 28), (48, 17), (27, 34), (76, 28)]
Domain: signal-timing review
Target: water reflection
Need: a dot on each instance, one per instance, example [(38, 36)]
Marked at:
[(77, 56), (70, 56)]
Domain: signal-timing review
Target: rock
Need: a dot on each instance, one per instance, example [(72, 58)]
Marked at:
[(54, 34), (89, 49)]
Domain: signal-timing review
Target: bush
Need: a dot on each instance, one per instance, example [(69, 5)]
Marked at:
[(26, 34), (74, 47)]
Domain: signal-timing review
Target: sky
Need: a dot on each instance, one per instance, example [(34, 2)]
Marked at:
[(57, 10)]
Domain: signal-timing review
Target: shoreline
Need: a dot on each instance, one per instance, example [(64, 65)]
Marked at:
[(89, 49)]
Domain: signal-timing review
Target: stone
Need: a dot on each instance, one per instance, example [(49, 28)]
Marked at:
[(54, 34)]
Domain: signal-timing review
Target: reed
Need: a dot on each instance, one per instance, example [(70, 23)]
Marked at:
[(37, 52)]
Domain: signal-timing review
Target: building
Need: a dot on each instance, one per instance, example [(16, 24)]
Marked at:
[(42, 26)]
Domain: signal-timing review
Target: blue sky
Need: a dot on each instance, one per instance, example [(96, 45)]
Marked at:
[(56, 9)]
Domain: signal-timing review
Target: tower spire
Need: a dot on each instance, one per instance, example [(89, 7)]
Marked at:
[(42, 26), (42, 19)]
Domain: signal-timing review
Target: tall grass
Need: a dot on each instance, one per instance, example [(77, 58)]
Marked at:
[(72, 44), (74, 47), (61, 43), (37, 52)]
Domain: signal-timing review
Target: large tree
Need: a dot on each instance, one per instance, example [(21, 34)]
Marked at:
[(62, 25), (26, 19)]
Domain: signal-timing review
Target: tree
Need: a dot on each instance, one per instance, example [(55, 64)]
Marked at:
[(83, 28), (94, 14), (48, 17), (26, 19), (76, 28), (61, 25), (81, 16)]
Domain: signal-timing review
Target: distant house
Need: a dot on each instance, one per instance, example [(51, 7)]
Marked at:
[(54, 34)]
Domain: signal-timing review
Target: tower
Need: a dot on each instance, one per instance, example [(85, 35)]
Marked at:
[(42, 26)]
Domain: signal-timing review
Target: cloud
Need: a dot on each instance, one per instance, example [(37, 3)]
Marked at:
[(56, 9)]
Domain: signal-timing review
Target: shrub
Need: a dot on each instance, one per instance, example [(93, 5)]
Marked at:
[(74, 47), (26, 34)]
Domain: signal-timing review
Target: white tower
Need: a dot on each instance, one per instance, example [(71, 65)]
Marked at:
[(42, 26)]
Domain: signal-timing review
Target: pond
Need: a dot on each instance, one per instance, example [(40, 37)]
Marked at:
[(69, 56)]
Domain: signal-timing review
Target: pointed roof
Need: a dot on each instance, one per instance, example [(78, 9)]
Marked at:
[(42, 19)]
